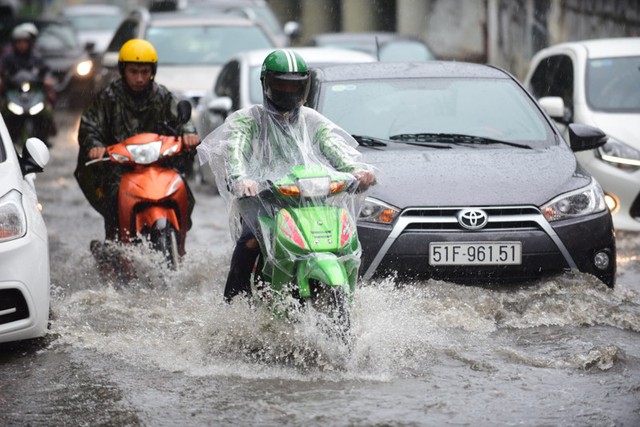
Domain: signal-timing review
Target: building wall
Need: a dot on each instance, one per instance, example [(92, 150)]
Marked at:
[(505, 33)]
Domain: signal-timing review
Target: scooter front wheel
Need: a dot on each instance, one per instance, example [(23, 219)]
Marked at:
[(166, 241), (334, 304)]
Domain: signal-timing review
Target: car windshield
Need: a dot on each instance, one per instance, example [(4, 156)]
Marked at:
[(57, 37), (197, 45), (491, 108), (613, 84), (405, 50), (100, 22)]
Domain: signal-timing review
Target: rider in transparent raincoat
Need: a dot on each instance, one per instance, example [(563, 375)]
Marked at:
[(262, 143)]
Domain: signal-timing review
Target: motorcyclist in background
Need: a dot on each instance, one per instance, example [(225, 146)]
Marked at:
[(265, 140), (22, 55), (131, 104)]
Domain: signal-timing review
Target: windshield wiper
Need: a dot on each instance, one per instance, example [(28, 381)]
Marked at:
[(369, 141), (454, 138)]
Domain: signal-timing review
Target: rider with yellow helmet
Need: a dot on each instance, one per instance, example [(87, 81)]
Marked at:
[(131, 104)]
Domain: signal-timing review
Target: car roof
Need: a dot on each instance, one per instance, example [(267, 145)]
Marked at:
[(91, 9), (361, 37), (603, 48), (394, 70), (311, 55)]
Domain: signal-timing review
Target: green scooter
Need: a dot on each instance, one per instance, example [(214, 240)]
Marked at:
[(308, 240)]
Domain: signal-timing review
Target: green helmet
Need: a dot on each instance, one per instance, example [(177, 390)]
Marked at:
[(285, 79)]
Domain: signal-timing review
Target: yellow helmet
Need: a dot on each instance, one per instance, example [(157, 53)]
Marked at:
[(138, 51)]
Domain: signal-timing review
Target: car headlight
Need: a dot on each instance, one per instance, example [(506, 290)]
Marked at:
[(84, 68), (378, 212), (620, 154), (13, 220), (585, 201)]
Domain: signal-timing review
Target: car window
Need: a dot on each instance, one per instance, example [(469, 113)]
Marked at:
[(613, 84), (493, 108), (57, 37), (554, 77), (127, 30), (95, 22), (405, 50), (228, 83), (204, 44), (255, 86)]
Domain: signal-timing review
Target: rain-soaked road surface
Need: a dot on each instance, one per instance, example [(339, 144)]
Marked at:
[(166, 351)]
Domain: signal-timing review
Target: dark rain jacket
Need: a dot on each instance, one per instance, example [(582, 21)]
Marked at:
[(115, 114)]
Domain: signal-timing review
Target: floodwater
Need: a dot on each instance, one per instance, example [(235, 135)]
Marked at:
[(167, 351)]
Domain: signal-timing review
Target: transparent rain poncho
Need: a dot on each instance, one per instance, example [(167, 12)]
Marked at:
[(302, 163)]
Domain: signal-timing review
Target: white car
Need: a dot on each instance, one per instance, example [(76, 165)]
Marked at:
[(238, 84), (24, 245), (597, 83)]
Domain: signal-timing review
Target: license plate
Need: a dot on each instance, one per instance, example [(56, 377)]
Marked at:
[(476, 253)]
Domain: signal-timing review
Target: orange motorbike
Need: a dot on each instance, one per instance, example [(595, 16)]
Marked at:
[(152, 196)]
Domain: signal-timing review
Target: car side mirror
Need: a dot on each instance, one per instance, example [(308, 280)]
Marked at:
[(292, 30), (35, 156), (221, 105), (90, 47), (584, 137), (556, 109), (110, 59), (184, 111)]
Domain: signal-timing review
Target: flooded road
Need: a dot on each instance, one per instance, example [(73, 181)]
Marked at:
[(167, 351)]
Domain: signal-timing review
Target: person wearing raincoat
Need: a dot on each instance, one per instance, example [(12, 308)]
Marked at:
[(132, 104), (263, 142)]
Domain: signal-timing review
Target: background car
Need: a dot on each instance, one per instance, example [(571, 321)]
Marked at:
[(386, 46), (596, 82), (24, 245), (94, 23), (60, 48), (238, 84), (474, 183), (256, 10), (191, 48)]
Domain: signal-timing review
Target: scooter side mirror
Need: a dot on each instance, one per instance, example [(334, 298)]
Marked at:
[(184, 112), (35, 156)]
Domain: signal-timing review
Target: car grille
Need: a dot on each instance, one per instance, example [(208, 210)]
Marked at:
[(13, 306), (444, 219), (500, 218)]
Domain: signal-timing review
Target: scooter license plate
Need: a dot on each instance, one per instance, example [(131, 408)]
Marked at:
[(475, 253)]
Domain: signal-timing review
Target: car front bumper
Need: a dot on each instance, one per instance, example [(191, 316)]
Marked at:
[(24, 288), (547, 249)]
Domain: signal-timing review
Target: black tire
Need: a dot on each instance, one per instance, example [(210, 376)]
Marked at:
[(334, 304), (166, 241)]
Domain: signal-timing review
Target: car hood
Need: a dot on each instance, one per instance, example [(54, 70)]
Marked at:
[(188, 80), (471, 176), (620, 126)]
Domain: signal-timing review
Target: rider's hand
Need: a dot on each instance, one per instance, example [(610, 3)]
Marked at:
[(246, 188), (365, 179), (190, 140), (97, 153)]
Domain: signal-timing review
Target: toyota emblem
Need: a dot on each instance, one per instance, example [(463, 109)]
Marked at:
[(472, 219)]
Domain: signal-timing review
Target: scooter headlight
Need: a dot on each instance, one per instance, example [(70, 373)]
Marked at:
[(26, 87), (620, 154), (36, 108), (84, 68), (13, 220), (314, 187), (15, 108), (584, 201), (145, 154), (378, 212)]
